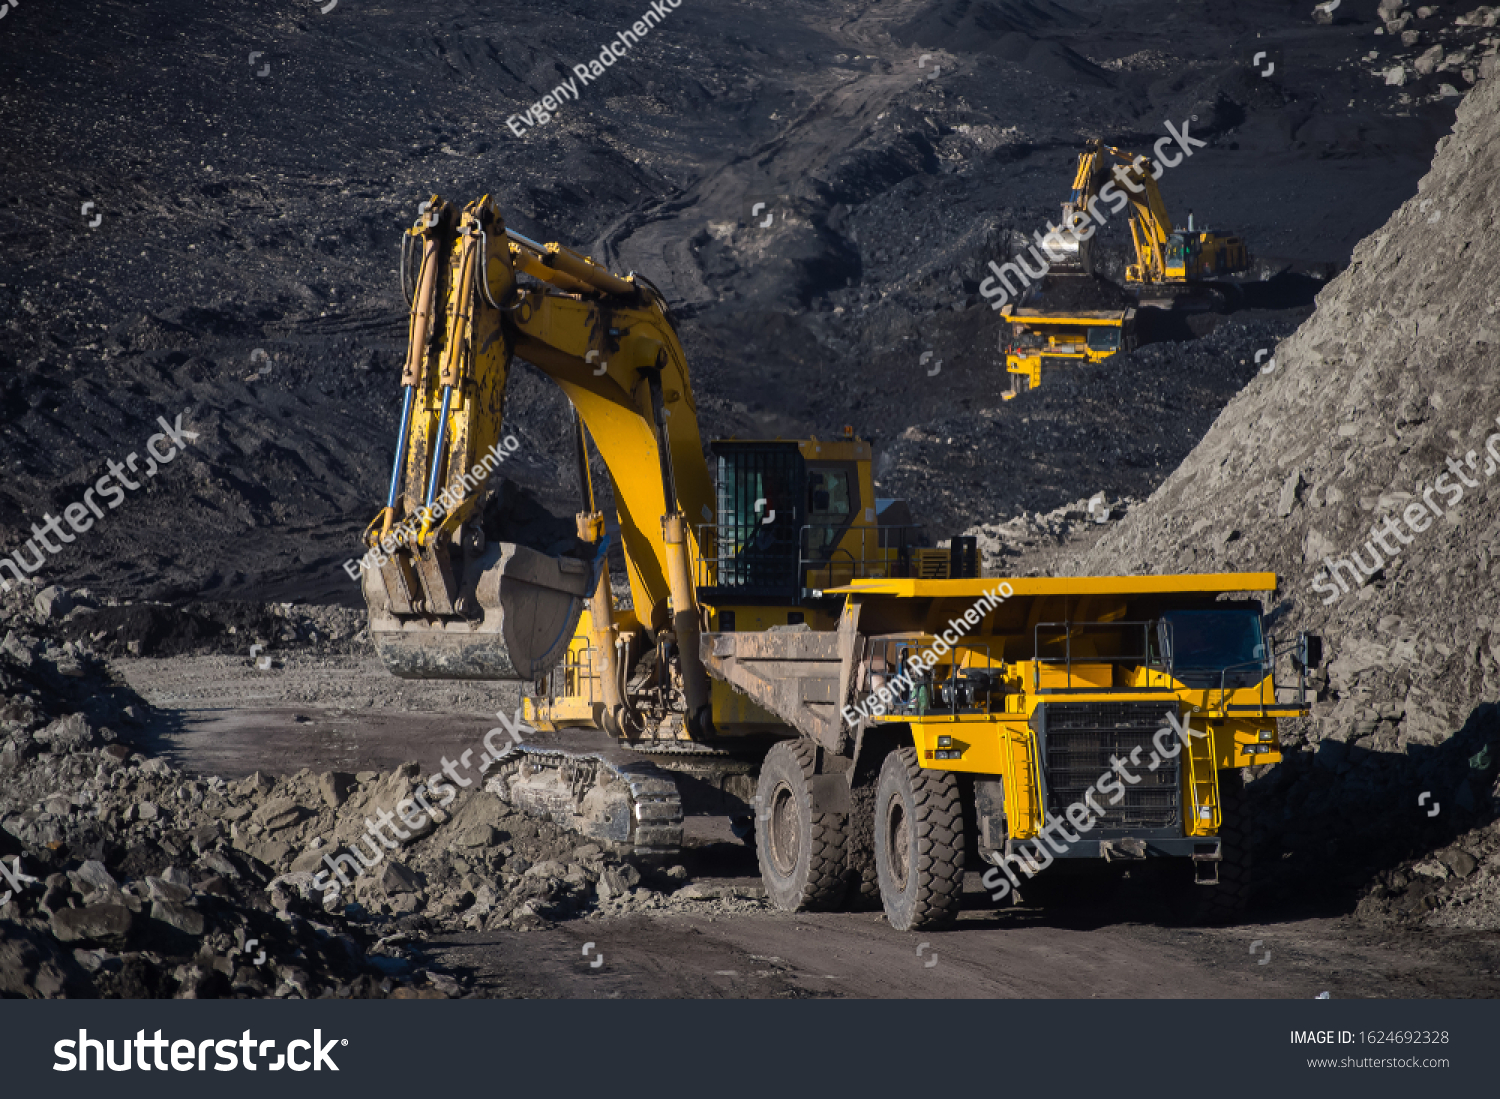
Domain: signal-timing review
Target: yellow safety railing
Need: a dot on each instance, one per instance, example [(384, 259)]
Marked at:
[(1202, 785)]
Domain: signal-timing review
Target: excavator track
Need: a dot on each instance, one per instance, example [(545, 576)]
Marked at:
[(605, 793)]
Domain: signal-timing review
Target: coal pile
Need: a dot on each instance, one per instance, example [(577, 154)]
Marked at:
[(242, 271)]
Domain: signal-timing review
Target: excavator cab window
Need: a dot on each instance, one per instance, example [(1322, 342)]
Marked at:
[(761, 503), (832, 499)]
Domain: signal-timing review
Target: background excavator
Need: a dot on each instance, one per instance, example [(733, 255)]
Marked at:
[(870, 711), (1074, 314)]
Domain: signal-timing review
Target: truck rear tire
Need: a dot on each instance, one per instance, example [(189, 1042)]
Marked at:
[(919, 843), (864, 882), (799, 843)]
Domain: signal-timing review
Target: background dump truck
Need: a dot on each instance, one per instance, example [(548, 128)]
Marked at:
[(1034, 336)]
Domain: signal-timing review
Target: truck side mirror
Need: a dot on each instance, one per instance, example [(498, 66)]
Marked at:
[(1309, 652)]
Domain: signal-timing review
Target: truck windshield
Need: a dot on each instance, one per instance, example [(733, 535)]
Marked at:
[(1202, 644)]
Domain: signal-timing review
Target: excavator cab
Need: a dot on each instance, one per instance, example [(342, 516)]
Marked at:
[(759, 492), (796, 518), (1177, 252)]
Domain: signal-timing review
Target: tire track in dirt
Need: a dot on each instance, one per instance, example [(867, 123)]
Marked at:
[(661, 240)]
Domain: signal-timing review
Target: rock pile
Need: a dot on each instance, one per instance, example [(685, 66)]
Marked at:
[(1026, 536), (347, 842), (1384, 401), (117, 879), (1436, 59), (126, 877)]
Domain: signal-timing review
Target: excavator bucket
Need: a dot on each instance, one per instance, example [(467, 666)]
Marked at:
[(523, 606)]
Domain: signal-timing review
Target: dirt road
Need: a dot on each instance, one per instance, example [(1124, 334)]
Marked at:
[(1020, 954), (221, 715)]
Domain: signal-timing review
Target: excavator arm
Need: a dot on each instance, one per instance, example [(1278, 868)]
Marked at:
[(445, 601), (1135, 177)]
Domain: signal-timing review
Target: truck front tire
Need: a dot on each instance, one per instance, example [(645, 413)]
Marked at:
[(919, 844)]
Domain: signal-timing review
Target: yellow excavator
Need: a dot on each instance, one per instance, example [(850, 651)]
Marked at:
[(1169, 260), (785, 647)]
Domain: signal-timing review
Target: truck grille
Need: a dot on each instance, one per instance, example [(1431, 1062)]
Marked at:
[(1080, 740)]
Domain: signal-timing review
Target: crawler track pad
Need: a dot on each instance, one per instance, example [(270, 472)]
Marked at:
[(605, 793)]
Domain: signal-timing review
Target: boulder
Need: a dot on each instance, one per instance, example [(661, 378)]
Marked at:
[(476, 834), (92, 877), (32, 967), (334, 786), (67, 734), (162, 890), (1459, 861), (1431, 868), (398, 879), (279, 813), (53, 602), (187, 920), (618, 880), (104, 924)]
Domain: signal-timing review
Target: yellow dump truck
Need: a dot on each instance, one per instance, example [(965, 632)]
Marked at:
[(1033, 337)]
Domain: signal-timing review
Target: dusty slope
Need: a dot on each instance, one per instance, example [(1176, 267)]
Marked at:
[(1385, 398)]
